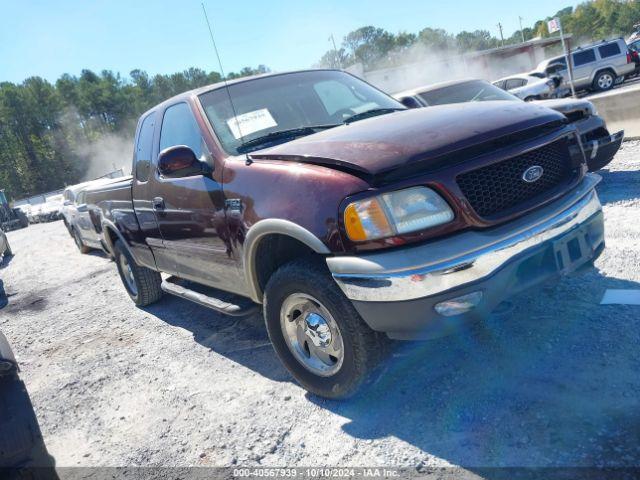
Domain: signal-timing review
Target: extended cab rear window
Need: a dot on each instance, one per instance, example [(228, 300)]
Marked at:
[(144, 148)]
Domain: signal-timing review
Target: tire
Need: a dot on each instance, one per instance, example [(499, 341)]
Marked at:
[(604, 81), (106, 250), (141, 283), (7, 251), (307, 280), (79, 243), (530, 99)]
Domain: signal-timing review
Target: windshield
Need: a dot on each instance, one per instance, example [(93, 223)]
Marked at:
[(290, 101), (477, 91)]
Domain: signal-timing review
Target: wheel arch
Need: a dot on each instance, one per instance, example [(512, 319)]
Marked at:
[(291, 240), (111, 234), (605, 68)]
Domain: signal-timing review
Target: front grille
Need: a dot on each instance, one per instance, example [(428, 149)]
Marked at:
[(498, 187)]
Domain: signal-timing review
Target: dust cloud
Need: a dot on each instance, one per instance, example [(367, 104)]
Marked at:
[(108, 153), (421, 65)]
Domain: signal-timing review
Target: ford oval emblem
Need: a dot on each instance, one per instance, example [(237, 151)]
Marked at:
[(532, 174)]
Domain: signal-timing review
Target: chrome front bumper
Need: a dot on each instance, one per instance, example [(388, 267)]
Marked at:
[(452, 263)]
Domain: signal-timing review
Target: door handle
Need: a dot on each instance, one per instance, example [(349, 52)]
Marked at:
[(158, 203)]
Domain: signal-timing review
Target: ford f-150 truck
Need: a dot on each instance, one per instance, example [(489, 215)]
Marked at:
[(347, 217)]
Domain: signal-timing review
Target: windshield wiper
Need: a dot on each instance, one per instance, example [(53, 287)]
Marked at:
[(371, 113), (280, 134)]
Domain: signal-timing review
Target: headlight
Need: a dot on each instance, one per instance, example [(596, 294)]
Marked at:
[(395, 213)]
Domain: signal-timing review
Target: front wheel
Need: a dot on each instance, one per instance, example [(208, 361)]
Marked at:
[(317, 333), (142, 283)]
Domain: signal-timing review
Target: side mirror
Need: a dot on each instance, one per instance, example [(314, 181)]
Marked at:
[(180, 161), (410, 102), (82, 208)]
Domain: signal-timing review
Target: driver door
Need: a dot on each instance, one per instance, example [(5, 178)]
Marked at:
[(190, 210)]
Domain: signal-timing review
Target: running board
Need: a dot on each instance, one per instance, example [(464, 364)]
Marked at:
[(223, 302)]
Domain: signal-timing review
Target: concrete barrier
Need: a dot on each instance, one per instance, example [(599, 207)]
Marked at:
[(620, 108)]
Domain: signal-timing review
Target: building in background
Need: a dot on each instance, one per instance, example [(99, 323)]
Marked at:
[(435, 67)]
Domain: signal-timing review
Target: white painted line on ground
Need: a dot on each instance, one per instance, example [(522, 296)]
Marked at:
[(620, 297)]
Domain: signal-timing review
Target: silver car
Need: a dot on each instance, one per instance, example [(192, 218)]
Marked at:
[(529, 87), (595, 67)]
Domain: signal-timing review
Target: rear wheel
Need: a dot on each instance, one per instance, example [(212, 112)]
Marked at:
[(604, 81), (317, 333), (79, 243), (142, 284)]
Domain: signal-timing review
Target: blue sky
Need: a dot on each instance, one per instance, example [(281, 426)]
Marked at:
[(51, 37)]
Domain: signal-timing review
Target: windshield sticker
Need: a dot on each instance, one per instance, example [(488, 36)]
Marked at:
[(251, 122)]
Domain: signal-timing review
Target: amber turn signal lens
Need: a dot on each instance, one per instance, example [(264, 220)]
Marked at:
[(366, 220)]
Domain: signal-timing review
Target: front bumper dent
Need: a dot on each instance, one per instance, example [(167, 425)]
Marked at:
[(396, 291)]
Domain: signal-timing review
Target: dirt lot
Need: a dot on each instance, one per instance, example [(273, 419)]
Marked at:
[(554, 382)]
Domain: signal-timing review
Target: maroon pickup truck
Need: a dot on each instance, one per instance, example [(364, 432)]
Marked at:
[(347, 217)]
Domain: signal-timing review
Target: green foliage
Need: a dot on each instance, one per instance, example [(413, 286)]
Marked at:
[(46, 130), (375, 47)]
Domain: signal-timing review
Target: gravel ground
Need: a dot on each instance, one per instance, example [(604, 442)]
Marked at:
[(553, 382)]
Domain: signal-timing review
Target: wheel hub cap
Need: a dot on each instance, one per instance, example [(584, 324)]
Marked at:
[(312, 334), (317, 330)]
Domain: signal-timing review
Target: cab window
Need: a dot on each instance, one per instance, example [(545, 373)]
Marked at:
[(180, 128)]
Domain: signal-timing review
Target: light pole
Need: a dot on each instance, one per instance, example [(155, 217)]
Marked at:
[(501, 36), (521, 31)]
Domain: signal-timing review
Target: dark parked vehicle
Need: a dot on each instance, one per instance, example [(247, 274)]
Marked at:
[(599, 145), (11, 218), (22, 450), (348, 217)]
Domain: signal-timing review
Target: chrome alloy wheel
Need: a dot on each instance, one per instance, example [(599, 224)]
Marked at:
[(311, 334), (127, 273), (605, 81)]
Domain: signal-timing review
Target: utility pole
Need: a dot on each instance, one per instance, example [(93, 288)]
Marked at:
[(521, 31), (335, 52), (501, 36)]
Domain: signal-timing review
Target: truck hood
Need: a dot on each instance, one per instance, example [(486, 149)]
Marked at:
[(376, 146)]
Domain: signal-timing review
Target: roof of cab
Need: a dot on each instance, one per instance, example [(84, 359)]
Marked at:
[(215, 86)]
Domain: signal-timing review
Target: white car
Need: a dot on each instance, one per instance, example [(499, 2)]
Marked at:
[(70, 206), (530, 87)]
